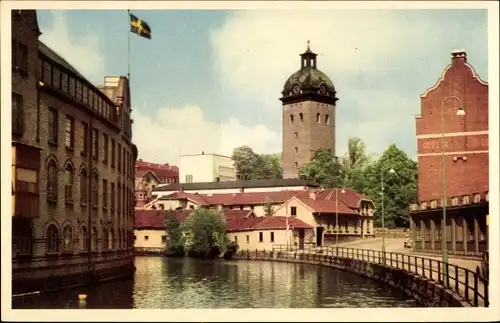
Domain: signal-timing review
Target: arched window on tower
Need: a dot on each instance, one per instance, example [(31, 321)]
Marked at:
[(301, 116), (327, 119), (296, 134), (318, 118), (291, 118)]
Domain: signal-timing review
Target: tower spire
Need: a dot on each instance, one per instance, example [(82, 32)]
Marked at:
[(308, 45)]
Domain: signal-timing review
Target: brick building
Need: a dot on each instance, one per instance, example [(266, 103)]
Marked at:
[(73, 168), (150, 175), (308, 99), (465, 159)]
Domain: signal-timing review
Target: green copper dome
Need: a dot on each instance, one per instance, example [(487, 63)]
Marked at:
[(308, 80)]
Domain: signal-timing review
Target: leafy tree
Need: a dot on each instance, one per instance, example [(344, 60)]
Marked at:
[(250, 165), (353, 164), (173, 230), (206, 231), (323, 169), (268, 207), (400, 188)]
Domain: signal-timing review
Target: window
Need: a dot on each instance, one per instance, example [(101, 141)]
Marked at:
[(248, 238), (119, 156), (104, 239), (22, 235), (163, 239), (52, 239), (56, 77), (318, 118), (296, 149), (52, 181), (112, 196), (119, 239), (83, 187), (112, 153), (85, 97), (68, 239), (235, 239), (14, 53), (84, 244), (106, 148), (111, 239), (135, 237), (72, 87), (146, 238), (296, 135), (301, 116), (291, 118), (17, 114), (189, 178), (78, 91), (52, 126), (118, 204), (95, 189), (64, 82), (261, 236), (272, 236), (327, 119), (47, 73), (85, 136), (68, 179), (70, 132), (293, 211), (93, 241), (95, 144), (23, 57), (104, 194)]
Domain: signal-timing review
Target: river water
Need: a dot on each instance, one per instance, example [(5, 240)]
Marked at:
[(169, 283)]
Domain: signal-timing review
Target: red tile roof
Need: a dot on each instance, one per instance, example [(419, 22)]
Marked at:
[(327, 206), (236, 220), (198, 199), (162, 171)]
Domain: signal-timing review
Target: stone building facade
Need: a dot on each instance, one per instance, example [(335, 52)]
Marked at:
[(309, 103), (465, 160), (80, 224)]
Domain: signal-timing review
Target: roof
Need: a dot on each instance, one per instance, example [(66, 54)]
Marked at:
[(254, 183), (198, 199), (327, 206), (161, 171), (236, 220), (47, 51)]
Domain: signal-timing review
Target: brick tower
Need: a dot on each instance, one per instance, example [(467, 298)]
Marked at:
[(308, 114)]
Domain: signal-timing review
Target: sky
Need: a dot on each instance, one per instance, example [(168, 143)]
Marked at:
[(210, 80)]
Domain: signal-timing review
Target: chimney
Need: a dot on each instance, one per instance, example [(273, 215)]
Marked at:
[(458, 56), (312, 195)]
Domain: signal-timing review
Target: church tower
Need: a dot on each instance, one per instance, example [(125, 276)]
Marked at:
[(308, 114)]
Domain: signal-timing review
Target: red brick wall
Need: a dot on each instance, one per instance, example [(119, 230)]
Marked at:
[(463, 177)]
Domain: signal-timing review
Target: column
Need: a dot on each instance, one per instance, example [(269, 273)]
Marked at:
[(476, 234), (465, 233), (433, 234), (453, 234), (423, 235)]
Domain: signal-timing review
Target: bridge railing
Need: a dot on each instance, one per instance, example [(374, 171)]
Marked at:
[(464, 282)]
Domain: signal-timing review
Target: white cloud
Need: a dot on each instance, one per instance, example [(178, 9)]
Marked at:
[(177, 131), (84, 52), (171, 132)]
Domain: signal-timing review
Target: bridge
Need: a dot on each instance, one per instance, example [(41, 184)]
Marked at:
[(429, 281)]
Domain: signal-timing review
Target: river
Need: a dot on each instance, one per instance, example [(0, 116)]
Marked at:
[(169, 283)]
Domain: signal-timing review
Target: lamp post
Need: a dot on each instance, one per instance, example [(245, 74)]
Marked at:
[(444, 243), (337, 217), (391, 171)]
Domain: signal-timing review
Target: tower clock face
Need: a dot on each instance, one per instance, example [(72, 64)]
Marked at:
[(322, 89), (296, 89)]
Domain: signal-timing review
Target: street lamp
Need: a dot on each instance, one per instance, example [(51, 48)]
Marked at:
[(444, 243), (337, 216), (391, 171)]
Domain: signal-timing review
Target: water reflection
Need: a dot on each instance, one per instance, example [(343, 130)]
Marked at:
[(162, 283)]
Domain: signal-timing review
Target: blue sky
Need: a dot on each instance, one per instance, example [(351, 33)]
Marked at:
[(210, 80)]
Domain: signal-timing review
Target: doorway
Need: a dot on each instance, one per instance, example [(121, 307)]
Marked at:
[(319, 236), (302, 236)]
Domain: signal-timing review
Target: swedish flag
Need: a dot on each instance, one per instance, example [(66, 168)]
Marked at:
[(139, 27)]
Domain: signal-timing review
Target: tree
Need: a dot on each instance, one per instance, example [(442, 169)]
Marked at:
[(206, 230), (268, 207), (353, 163), (250, 165), (173, 230), (400, 188), (323, 169)]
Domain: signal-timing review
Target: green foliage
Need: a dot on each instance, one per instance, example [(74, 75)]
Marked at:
[(205, 234), (173, 231), (323, 169), (400, 188), (268, 207), (250, 165), (354, 163)]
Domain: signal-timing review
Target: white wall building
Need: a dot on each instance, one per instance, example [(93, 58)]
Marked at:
[(206, 168)]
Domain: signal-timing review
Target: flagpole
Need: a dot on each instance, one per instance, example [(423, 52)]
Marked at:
[(286, 216), (128, 46)]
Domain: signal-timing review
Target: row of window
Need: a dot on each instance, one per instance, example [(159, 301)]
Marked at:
[(318, 118), (67, 241), (146, 238), (261, 237), (119, 194)]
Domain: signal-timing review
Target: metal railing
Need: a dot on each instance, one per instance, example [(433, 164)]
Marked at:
[(462, 281)]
